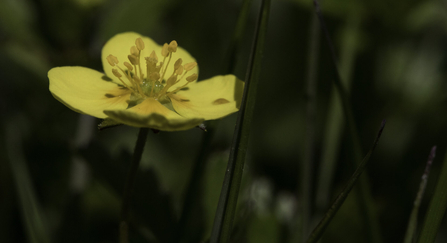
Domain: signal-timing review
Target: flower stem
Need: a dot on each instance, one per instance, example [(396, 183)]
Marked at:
[(130, 181)]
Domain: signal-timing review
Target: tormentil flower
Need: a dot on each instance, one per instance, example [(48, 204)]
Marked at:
[(150, 86)]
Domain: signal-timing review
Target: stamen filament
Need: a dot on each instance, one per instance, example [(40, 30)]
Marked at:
[(155, 71), (126, 74), (166, 67), (124, 83), (139, 65), (182, 76), (179, 88), (132, 81)]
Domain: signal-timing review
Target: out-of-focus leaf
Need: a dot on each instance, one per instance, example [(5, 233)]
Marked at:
[(141, 16), (31, 211), (263, 229), (16, 17), (90, 3), (150, 205), (28, 59)]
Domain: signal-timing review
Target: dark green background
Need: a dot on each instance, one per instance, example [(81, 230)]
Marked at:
[(61, 179)]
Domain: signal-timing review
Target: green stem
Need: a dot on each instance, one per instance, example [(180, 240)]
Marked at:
[(130, 181)]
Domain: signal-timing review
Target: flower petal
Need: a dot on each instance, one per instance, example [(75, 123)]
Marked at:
[(120, 45), (86, 91), (211, 99), (150, 113)]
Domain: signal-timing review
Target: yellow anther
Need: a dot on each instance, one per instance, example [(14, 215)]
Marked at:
[(192, 78), (139, 43), (112, 60), (177, 64), (129, 67), (134, 51), (164, 50), (133, 59), (179, 71), (116, 73), (154, 56), (190, 66), (172, 46), (154, 76), (171, 81)]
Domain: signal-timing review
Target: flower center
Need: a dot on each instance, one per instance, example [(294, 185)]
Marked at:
[(154, 83)]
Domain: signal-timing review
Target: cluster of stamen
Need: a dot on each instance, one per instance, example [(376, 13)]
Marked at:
[(154, 84)]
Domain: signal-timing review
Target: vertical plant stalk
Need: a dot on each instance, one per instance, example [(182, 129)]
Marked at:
[(130, 181), (412, 223), (363, 192), (308, 163), (436, 209), (319, 230), (194, 187), (226, 209)]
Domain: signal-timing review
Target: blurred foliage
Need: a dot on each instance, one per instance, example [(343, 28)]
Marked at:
[(61, 179)]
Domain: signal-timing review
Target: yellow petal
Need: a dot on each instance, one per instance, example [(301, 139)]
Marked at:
[(150, 113), (211, 99), (120, 44), (86, 91)]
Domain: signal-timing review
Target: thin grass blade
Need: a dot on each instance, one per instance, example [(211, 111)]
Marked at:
[(364, 192), (193, 193), (436, 209), (335, 122), (412, 223), (226, 209), (319, 230)]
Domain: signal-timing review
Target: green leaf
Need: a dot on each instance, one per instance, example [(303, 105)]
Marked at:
[(226, 209)]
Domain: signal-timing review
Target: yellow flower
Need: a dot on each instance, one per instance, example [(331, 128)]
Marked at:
[(146, 85)]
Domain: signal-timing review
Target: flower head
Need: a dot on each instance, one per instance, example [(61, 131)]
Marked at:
[(146, 85)]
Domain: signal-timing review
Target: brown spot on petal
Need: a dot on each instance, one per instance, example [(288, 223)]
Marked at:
[(105, 78), (110, 96), (220, 101), (184, 100)]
